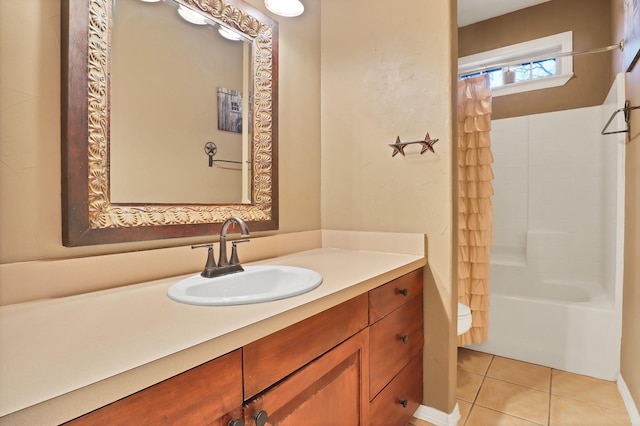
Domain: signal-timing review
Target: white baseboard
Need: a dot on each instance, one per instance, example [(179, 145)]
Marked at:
[(632, 410), (437, 417)]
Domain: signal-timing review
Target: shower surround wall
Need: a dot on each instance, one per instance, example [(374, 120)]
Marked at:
[(549, 192), (555, 267)]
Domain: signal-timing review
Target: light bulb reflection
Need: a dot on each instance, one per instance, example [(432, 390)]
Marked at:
[(228, 34), (191, 16)]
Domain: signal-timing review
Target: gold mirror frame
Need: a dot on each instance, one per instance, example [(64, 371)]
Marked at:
[(89, 217)]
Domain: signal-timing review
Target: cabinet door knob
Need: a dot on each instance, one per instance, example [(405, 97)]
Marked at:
[(404, 403), (403, 292), (236, 422), (260, 418), (404, 338)]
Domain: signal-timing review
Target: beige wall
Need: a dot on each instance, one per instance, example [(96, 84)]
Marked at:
[(30, 207), (387, 72), (591, 26), (630, 352)]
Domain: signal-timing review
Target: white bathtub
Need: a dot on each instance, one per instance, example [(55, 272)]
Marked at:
[(557, 255), (568, 326)]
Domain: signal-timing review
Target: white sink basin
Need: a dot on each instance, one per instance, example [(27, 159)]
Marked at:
[(256, 284)]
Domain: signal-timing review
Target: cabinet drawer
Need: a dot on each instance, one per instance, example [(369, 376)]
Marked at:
[(275, 356), (393, 341), (208, 394), (388, 297), (400, 399)]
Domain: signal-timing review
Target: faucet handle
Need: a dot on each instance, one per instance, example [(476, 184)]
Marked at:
[(233, 243), (202, 245), (234, 251), (210, 266)]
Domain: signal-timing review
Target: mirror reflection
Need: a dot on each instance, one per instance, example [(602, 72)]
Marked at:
[(104, 121), (178, 113)]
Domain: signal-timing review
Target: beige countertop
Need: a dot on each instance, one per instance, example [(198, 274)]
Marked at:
[(60, 358)]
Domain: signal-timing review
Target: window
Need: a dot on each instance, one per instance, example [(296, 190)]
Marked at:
[(521, 67)]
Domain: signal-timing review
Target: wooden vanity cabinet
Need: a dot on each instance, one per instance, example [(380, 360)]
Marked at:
[(357, 363), (373, 378), (210, 394)]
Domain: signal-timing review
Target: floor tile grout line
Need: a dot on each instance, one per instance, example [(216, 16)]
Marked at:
[(518, 384), (510, 415), (484, 377), (475, 398), (595, 404), (468, 414)]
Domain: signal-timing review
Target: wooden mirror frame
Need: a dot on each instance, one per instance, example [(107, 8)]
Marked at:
[(88, 216)]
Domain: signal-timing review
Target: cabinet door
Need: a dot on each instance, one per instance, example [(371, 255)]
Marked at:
[(331, 390), (210, 394)]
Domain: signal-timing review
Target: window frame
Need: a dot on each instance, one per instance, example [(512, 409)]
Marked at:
[(523, 52)]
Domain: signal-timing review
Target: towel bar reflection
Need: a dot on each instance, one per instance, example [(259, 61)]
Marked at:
[(211, 149), (627, 119)]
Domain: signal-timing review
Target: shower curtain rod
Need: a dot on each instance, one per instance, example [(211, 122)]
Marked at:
[(619, 45)]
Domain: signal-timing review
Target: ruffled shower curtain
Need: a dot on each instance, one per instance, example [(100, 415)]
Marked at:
[(475, 212)]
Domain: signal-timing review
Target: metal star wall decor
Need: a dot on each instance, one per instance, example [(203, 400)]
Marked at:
[(427, 145), (398, 147)]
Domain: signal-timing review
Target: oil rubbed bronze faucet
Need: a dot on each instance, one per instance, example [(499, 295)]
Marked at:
[(225, 266), (244, 232)]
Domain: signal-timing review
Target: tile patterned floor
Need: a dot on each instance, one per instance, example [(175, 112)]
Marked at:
[(496, 391)]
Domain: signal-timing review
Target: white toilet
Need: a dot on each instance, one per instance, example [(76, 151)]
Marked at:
[(464, 318)]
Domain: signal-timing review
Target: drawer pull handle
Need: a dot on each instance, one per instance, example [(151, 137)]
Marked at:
[(403, 292), (260, 418), (404, 403), (236, 422), (404, 338)]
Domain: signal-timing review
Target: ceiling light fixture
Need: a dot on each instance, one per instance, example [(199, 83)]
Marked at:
[(286, 8), (191, 16)]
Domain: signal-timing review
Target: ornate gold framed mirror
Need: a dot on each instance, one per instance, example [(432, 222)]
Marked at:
[(89, 214)]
